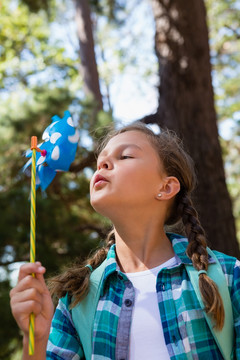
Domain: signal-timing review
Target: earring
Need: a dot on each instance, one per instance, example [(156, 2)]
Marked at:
[(159, 195)]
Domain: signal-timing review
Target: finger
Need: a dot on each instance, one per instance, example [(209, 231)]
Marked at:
[(24, 309), (30, 268), (27, 295), (41, 279), (28, 282)]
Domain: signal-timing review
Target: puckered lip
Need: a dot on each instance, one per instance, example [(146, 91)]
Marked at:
[(99, 177)]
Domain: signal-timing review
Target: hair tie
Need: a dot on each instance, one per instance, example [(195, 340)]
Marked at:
[(89, 266), (202, 272)]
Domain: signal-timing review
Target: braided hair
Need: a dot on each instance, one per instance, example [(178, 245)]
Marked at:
[(75, 280), (197, 252), (176, 162)]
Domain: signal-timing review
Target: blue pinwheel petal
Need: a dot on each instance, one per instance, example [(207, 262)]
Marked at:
[(38, 155), (28, 153), (46, 176), (60, 142), (27, 165)]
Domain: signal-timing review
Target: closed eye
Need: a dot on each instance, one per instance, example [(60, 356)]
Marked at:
[(123, 157)]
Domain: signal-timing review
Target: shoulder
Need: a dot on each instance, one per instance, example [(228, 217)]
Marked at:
[(230, 266), (63, 342), (63, 310), (65, 301), (231, 269), (227, 262)]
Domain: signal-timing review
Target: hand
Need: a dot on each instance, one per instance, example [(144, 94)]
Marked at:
[(31, 295)]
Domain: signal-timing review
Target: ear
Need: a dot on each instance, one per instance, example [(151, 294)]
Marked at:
[(169, 188)]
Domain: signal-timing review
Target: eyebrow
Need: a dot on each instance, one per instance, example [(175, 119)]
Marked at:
[(123, 146)]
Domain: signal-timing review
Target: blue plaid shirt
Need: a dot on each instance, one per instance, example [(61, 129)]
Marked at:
[(186, 332)]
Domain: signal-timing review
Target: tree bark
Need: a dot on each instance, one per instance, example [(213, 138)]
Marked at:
[(87, 54), (186, 105)]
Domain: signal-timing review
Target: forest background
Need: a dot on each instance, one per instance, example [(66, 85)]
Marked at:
[(169, 63)]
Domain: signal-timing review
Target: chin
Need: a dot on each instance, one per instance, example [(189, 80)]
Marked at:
[(98, 206), (103, 207)]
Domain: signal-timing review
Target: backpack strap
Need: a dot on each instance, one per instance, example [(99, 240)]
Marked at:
[(83, 313), (223, 338)]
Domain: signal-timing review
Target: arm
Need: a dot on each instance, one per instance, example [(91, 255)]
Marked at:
[(32, 296), (39, 350)]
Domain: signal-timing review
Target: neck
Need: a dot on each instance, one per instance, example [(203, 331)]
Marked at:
[(141, 245)]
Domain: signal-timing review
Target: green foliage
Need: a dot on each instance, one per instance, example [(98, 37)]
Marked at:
[(225, 48), (95, 124), (231, 152), (36, 5), (109, 8), (25, 49)]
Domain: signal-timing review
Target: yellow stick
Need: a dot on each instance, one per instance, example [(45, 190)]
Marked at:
[(32, 234)]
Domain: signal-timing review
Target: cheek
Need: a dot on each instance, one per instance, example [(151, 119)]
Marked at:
[(136, 188), (144, 178), (145, 184)]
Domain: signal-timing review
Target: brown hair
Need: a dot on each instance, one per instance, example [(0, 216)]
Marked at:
[(178, 163)]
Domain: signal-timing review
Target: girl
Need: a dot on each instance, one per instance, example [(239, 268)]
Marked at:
[(147, 308)]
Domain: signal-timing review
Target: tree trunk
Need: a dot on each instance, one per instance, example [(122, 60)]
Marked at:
[(87, 54), (186, 105)]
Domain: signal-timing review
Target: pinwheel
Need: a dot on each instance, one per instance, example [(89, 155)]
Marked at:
[(56, 153)]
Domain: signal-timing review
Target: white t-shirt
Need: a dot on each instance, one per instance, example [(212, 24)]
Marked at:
[(146, 335)]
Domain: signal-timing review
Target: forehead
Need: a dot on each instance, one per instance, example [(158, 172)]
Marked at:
[(138, 140), (132, 137)]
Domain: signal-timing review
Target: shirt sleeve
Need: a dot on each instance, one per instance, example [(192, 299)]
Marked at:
[(235, 295), (64, 342)]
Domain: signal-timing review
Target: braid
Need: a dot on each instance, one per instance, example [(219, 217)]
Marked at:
[(197, 247), (197, 252), (75, 280)]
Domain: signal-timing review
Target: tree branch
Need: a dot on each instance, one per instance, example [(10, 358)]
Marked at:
[(235, 31), (88, 161), (156, 118)]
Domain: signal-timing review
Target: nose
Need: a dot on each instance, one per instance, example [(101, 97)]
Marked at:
[(104, 164)]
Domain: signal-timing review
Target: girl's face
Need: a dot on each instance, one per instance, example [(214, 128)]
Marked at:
[(129, 174)]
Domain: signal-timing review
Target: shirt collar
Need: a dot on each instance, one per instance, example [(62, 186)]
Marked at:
[(111, 266), (180, 244)]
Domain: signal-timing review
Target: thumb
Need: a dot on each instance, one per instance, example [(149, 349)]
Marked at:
[(40, 277)]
